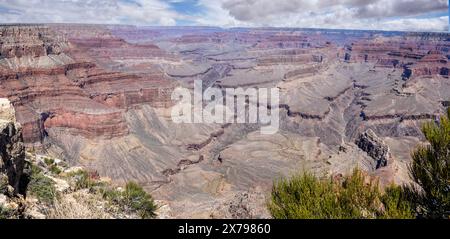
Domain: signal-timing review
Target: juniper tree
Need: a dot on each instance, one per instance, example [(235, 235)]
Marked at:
[(430, 169), (304, 196)]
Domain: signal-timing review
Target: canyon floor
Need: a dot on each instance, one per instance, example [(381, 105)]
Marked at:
[(100, 97)]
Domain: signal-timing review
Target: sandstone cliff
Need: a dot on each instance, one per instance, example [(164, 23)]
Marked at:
[(62, 78)]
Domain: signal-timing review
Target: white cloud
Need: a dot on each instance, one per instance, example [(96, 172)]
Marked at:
[(248, 10), (216, 15), (417, 24), (139, 12), (345, 14)]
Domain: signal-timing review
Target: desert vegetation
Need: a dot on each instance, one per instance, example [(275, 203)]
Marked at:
[(62, 192), (132, 198), (4, 213), (41, 186), (91, 193), (430, 170), (356, 196), (306, 197)]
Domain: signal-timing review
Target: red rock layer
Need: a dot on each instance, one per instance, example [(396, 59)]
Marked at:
[(289, 59), (434, 63), (419, 56), (81, 94), (43, 94), (20, 41)]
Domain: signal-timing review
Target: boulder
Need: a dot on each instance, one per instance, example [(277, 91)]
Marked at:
[(3, 200), (7, 112)]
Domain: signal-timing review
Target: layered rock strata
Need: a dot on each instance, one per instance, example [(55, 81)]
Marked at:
[(54, 83)]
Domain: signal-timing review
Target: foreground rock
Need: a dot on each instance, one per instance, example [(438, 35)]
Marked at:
[(12, 163), (12, 150)]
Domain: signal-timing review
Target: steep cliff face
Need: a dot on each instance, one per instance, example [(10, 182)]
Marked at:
[(12, 151), (64, 79), (419, 54), (19, 41), (434, 63)]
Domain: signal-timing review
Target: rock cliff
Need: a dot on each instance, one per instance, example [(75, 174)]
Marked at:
[(370, 143), (12, 151), (59, 79)]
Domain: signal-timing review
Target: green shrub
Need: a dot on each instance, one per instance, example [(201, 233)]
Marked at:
[(49, 161), (111, 195), (41, 186), (396, 203), (5, 213), (51, 165), (133, 198), (430, 169), (3, 183), (303, 196), (306, 197), (358, 199), (140, 201), (55, 169), (83, 180)]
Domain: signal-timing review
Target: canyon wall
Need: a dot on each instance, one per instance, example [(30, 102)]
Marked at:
[(55, 80)]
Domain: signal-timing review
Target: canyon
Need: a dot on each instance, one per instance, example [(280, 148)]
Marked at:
[(99, 96)]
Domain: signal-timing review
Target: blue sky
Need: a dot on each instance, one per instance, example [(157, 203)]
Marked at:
[(187, 7), (415, 15)]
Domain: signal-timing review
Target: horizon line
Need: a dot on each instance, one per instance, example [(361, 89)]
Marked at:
[(224, 28)]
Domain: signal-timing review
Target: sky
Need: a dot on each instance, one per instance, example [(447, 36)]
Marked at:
[(403, 15)]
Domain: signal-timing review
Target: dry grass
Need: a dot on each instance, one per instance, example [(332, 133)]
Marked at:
[(79, 205)]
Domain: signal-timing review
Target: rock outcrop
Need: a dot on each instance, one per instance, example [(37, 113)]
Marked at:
[(12, 150), (375, 147), (7, 112)]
